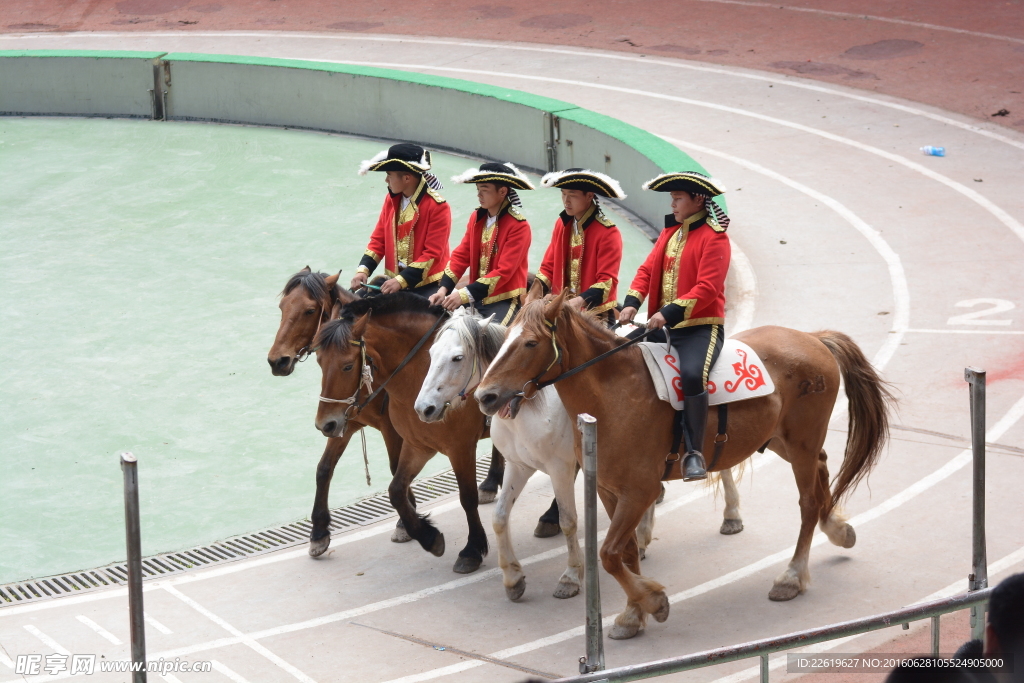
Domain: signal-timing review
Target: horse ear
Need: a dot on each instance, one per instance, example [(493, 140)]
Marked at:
[(486, 321), (336, 310), (553, 308), (359, 327), (306, 270), (536, 291), (332, 280)]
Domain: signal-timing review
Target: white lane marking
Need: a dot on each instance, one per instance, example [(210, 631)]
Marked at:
[(214, 572), (900, 288), (252, 644), (953, 589), (217, 666), (104, 633), (976, 197), (170, 678), (1008, 420), (929, 331), (46, 640), (745, 297), (790, 81), (5, 660), (870, 17), (157, 625)]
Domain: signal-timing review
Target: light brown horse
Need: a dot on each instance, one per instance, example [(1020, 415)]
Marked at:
[(307, 302), (619, 392), (380, 332)]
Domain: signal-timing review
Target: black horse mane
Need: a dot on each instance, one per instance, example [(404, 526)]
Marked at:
[(533, 313), (315, 285), (337, 333)]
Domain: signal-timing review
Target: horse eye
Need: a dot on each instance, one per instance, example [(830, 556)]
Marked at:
[(310, 311), (347, 367), (530, 344), (457, 358)]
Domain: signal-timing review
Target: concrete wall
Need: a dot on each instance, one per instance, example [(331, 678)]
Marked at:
[(534, 132)]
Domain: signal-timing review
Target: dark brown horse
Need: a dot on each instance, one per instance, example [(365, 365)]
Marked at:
[(379, 333), (308, 301), (620, 394)]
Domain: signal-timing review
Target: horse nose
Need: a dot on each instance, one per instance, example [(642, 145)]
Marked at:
[(281, 366), (428, 411), (488, 399), (329, 428)]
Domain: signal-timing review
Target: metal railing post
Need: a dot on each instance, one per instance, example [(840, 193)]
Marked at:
[(129, 466), (936, 634), (764, 668), (979, 561), (594, 661)]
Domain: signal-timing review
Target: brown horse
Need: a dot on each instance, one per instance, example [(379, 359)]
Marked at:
[(619, 392), (307, 302), (379, 333)]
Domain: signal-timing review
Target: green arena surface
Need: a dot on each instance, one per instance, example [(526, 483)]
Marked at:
[(141, 267)]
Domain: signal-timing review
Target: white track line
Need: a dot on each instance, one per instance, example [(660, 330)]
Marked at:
[(957, 588), (246, 640), (46, 640), (1008, 420), (900, 288), (104, 633), (157, 625), (970, 193), (789, 81), (237, 678), (5, 660), (954, 331)]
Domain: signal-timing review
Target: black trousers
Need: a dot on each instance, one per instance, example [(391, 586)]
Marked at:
[(426, 291), (697, 347), (503, 311)]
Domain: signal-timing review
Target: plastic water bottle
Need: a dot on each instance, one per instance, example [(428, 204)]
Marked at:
[(934, 151)]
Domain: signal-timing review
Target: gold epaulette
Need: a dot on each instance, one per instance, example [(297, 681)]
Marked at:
[(436, 197), (604, 220), (514, 212)]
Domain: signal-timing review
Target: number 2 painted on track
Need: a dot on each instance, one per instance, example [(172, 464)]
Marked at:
[(978, 317)]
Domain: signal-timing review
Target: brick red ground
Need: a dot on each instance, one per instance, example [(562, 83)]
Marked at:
[(969, 74)]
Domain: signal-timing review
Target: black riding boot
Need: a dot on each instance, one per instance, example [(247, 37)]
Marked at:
[(695, 413)]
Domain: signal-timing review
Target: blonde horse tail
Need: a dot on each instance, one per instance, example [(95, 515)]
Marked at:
[(870, 399)]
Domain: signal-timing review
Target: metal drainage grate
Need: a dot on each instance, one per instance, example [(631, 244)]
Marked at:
[(367, 511)]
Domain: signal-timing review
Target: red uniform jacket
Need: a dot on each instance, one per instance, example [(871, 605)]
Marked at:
[(590, 269), (496, 259), (415, 252), (695, 273)]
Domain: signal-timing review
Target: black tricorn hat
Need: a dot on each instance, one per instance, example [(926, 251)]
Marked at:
[(584, 181), (499, 174), (404, 156), (685, 181)]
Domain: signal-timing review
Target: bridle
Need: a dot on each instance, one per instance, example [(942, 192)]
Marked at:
[(304, 353)]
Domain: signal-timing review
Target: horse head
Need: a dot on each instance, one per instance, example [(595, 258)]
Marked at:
[(462, 348), (343, 361), (308, 301), (531, 354)]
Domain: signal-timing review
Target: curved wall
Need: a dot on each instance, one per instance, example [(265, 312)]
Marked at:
[(535, 132)]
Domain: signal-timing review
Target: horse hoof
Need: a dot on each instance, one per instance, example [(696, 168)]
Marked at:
[(515, 592), (661, 614), (438, 548), (485, 497), (547, 530), (851, 537), (400, 535), (566, 590), (783, 592), (468, 565), (731, 526), (623, 632), (661, 496), (319, 546)]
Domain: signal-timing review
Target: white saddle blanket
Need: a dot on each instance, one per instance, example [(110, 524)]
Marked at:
[(737, 375)]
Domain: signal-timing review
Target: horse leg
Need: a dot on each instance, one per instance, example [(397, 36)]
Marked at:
[(832, 521), (420, 528), (512, 572), (645, 531), (495, 474), (472, 555), (549, 523), (320, 536), (393, 442), (796, 578), (620, 557), (563, 480), (732, 523)]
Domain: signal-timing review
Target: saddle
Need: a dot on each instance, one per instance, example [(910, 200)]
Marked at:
[(737, 375)]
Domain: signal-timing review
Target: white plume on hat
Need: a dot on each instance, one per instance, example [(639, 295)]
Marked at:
[(550, 179)]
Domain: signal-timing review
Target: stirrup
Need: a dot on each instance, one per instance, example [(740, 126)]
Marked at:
[(693, 467)]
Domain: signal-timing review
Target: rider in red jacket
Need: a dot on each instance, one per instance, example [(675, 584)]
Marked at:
[(684, 280)]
